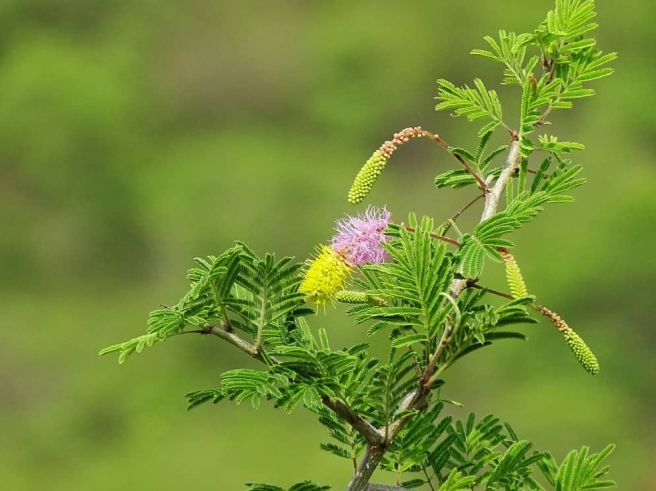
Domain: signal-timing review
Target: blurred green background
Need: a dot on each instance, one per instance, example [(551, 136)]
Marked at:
[(135, 135)]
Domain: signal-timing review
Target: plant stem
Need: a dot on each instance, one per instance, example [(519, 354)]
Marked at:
[(372, 457), (428, 480), (385, 487), (463, 162), (493, 292), (448, 223), (231, 338), (438, 237), (261, 324), (362, 426), (493, 197)]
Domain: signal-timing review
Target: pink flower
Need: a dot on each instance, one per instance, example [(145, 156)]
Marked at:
[(360, 239)]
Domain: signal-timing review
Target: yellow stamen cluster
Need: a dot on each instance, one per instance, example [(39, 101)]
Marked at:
[(581, 350), (325, 276)]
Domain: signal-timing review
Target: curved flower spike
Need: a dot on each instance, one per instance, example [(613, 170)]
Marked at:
[(368, 175)]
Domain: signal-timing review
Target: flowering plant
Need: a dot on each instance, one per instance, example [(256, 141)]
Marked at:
[(418, 283)]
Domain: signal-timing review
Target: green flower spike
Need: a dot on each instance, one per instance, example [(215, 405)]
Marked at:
[(366, 178), (369, 173), (514, 276), (581, 350), (346, 296), (349, 296)]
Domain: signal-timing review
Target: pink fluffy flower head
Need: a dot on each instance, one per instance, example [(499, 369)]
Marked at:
[(360, 239)]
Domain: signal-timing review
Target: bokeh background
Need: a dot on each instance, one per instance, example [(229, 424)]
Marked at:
[(135, 135)]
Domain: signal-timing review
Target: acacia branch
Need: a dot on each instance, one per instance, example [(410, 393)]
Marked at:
[(362, 426), (491, 206), (448, 223), (510, 167), (385, 487), (231, 338), (418, 398), (443, 343), (372, 457), (366, 429), (414, 400)]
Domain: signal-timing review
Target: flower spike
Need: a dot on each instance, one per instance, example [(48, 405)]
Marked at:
[(581, 350), (514, 276), (369, 173), (325, 276)]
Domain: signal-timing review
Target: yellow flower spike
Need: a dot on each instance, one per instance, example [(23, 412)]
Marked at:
[(325, 276)]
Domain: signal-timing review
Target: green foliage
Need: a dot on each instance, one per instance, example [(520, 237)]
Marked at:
[(302, 486), (135, 345), (536, 95), (235, 290), (482, 325), (457, 482), (200, 397), (480, 160), (425, 295), (470, 454), (242, 384), (569, 58), (473, 103), (266, 294), (413, 285), (576, 59), (412, 449), (347, 442), (510, 50), (490, 453), (486, 238), (549, 143), (579, 470)]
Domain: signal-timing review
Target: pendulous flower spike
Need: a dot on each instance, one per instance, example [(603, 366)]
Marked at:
[(581, 350), (366, 178), (368, 175)]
